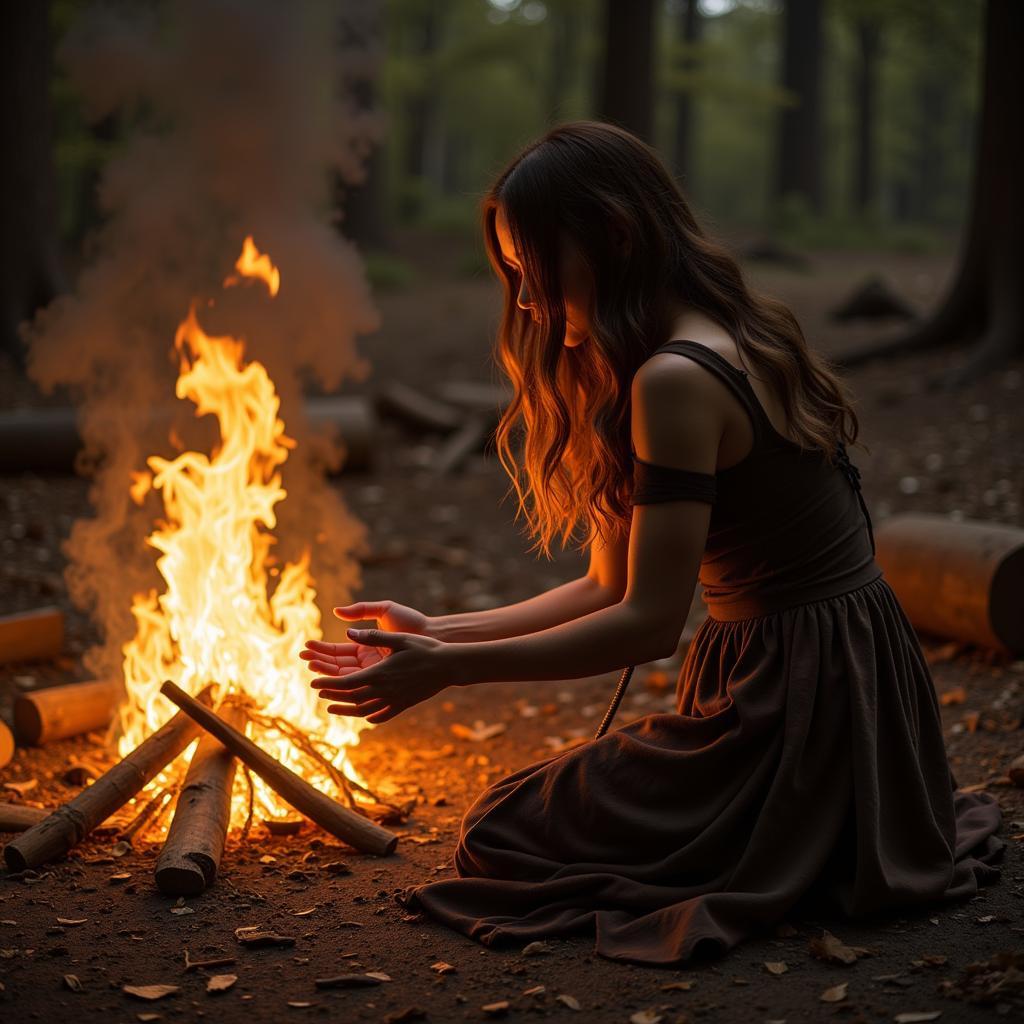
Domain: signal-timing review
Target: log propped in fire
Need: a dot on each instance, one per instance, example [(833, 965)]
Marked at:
[(71, 822), (195, 841), (353, 828)]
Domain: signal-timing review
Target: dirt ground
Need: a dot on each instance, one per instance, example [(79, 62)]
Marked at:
[(447, 545)]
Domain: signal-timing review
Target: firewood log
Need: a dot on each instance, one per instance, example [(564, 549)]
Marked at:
[(195, 841), (27, 636), (353, 828), (57, 712), (18, 817), (71, 822), (961, 580)]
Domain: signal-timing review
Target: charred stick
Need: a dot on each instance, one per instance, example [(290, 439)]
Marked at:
[(353, 828), (150, 812), (191, 854), (71, 822)]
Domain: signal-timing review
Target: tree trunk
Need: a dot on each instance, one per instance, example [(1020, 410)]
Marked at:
[(798, 169), (421, 110), (869, 39), (364, 217), (565, 34), (986, 302), (30, 267), (690, 30), (625, 94)]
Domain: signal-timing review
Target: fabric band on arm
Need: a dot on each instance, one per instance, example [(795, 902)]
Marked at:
[(654, 483)]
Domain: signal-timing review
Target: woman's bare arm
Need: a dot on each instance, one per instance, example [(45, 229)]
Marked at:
[(604, 585)]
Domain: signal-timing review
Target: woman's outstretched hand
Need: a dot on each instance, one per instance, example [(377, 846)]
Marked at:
[(381, 672)]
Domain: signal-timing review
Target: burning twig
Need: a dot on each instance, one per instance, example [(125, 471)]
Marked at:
[(309, 747), (61, 711), (195, 842), (252, 802), (353, 828), (68, 824), (151, 812)]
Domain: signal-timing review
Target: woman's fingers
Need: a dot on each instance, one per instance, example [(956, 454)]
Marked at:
[(357, 693), (360, 610), (326, 668), (315, 647), (357, 710)]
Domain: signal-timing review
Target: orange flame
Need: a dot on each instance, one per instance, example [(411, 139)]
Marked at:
[(217, 620), (253, 263)]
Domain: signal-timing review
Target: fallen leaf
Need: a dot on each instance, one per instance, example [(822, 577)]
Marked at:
[(71, 922), (835, 994), (299, 1005), (120, 849), (535, 949), (254, 935), (916, 1018), (149, 992), (304, 913), (337, 867), (479, 731), (571, 1001), (144, 1017), (678, 986), (21, 788), (987, 919), (220, 961), (776, 966), (496, 1009), (955, 696), (535, 991), (646, 1017), (350, 981), (221, 982), (182, 910), (442, 968), (72, 982), (828, 947), (121, 876), (379, 975)]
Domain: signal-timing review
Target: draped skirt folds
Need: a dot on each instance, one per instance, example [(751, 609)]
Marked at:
[(804, 761)]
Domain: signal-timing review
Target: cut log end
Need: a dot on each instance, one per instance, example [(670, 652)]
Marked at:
[(185, 876)]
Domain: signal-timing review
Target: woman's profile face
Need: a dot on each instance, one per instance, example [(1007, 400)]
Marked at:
[(575, 282)]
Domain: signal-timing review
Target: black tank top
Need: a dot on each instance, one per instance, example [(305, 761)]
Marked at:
[(787, 525)]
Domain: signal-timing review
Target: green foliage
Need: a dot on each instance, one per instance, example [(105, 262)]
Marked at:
[(498, 72), (386, 272)]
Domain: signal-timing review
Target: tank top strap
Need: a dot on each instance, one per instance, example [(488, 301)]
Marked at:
[(733, 378)]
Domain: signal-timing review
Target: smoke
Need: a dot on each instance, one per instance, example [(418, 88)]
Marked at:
[(243, 118)]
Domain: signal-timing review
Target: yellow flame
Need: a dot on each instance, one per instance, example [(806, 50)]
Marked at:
[(217, 619), (253, 263)]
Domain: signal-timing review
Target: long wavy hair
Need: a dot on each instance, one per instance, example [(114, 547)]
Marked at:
[(572, 404)]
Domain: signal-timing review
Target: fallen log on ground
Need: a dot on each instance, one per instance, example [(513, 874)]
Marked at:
[(195, 841), (961, 580), (71, 822), (416, 409), (353, 828), (57, 712), (32, 635), (47, 440), (6, 745), (18, 817)]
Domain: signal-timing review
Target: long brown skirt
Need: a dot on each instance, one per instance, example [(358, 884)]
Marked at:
[(805, 761)]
